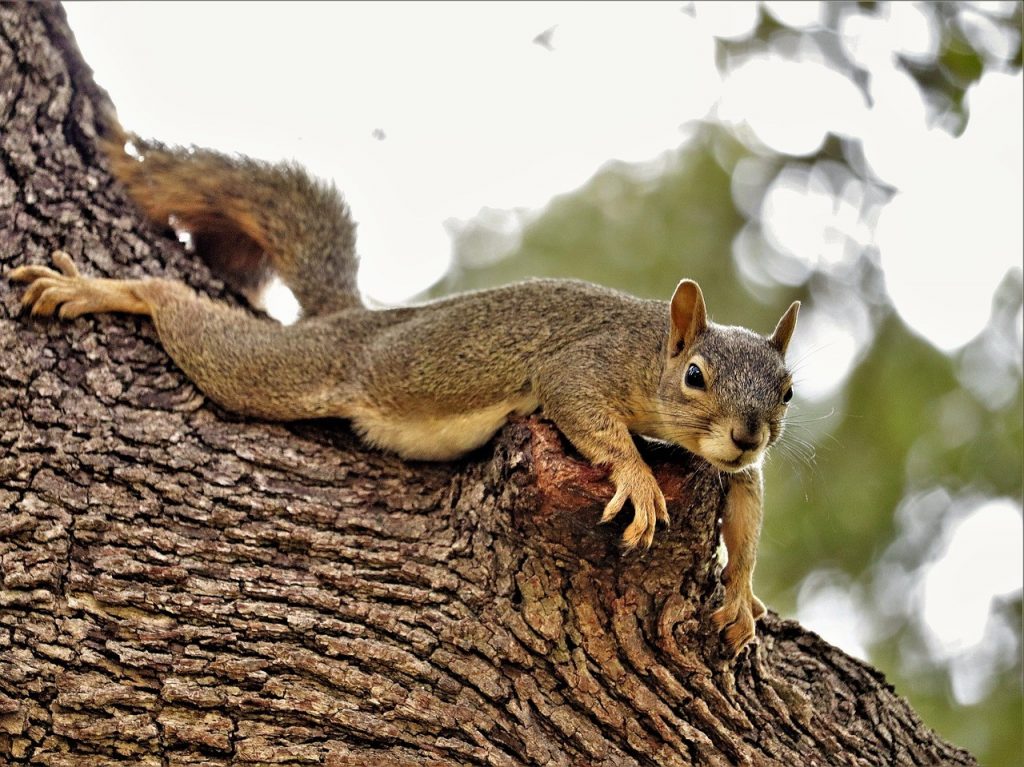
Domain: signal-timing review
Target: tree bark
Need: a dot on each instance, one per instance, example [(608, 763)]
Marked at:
[(181, 586)]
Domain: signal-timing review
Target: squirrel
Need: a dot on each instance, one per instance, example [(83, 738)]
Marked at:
[(437, 380)]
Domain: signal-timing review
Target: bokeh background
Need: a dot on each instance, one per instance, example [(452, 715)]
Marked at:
[(862, 157)]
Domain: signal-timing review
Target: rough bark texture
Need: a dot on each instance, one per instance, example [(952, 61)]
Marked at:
[(183, 587)]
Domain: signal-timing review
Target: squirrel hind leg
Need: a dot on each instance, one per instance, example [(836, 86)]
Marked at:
[(69, 294)]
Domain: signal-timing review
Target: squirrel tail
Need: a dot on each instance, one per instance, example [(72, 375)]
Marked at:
[(247, 217)]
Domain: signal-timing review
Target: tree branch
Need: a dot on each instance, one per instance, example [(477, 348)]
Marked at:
[(182, 586)]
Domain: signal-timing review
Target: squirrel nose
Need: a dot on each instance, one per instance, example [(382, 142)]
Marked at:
[(744, 440)]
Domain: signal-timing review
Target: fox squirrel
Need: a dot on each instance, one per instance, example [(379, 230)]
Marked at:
[(437, 380)]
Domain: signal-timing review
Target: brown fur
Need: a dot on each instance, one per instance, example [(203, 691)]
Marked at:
[(436, 380)]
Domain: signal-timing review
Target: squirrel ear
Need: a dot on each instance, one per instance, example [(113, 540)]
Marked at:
[(784, 330), (689, 317)]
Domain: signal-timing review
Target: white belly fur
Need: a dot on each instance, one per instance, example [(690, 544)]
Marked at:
[(438, 438)]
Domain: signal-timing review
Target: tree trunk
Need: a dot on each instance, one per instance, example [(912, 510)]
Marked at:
[(185, 587)]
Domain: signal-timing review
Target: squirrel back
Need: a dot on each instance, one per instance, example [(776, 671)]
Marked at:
[(457, 366), (584, 353)]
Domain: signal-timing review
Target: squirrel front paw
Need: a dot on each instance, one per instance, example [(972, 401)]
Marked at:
[(637, 484), (757, 608), (735, 623), (735, 619)]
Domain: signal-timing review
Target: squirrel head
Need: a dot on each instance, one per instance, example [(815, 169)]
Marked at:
[(724, 390)]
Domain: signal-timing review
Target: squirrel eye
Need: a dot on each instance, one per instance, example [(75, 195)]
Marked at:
[(788, 395), (694, 378)]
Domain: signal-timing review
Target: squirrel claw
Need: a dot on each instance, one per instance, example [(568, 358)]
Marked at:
[(641, 488), (33, 272)]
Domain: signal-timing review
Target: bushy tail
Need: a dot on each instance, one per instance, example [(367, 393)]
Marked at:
[(242, 213)]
